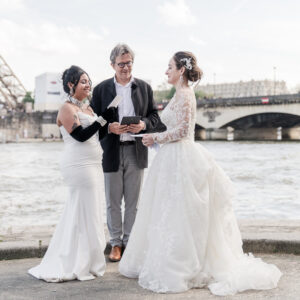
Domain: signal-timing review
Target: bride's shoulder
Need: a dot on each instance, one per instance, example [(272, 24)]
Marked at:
[(66, 107), (186, 93)]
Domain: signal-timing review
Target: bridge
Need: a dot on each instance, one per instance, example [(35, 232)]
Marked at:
[(265, 117)]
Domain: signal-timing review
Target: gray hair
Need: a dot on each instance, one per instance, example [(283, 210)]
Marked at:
[(119, 50)]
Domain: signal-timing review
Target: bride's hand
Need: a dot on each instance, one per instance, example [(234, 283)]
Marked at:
[(148, 140)]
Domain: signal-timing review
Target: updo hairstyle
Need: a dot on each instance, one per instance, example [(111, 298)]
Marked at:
[(181, 58), (72, 75)]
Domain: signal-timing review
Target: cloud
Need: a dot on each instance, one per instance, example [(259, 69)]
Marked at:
[(46, 38), (105, 31), (239, 6), (197, 41), (11, 5), (31, 49), (176, 13)]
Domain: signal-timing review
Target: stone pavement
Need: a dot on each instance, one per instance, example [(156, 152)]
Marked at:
[(280, 239), (16, 284)]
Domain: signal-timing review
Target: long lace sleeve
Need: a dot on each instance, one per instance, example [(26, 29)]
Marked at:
[(181, 115)]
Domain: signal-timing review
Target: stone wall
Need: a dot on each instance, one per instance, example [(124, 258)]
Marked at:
[(250, 134), (21, 125)]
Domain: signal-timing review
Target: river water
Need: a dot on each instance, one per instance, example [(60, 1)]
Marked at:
[(266, 176)]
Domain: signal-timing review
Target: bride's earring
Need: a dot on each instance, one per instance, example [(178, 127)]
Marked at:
[(181, 80)]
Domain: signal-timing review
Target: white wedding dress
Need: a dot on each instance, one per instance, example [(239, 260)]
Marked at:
[(76, 250), (185, 234)]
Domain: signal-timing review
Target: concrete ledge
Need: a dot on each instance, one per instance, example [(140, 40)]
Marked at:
[(25, 252), (259, 236), (271, 246), (249, 245), (31, 252)]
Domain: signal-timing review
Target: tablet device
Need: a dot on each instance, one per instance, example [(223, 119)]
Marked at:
[(130, 120)]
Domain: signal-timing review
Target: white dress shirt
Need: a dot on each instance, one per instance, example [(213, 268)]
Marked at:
[(125, 107)]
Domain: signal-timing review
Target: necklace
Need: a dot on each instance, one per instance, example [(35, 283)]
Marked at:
[(76, 102)]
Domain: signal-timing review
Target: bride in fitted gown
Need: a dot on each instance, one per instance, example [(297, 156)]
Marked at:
[(185, 234), (76, 250), (77, 247)]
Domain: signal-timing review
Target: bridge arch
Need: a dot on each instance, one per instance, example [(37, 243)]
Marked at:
[(220, 117), (265, 120)]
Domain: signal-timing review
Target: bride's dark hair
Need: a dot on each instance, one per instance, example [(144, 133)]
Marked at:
[(186, 59), (72, 75)]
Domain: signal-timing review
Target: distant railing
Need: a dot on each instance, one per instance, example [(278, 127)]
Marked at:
[(243, 101)]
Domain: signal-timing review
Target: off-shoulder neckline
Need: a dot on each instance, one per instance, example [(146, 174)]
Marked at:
[(83, 114), (86, 114)]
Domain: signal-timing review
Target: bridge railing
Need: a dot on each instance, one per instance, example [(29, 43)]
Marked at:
[(257, 100)]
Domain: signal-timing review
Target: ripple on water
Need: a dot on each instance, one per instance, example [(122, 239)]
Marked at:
[(265, 175)]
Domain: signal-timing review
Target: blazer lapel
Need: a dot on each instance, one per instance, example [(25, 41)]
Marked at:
[(136, 100), (111, 91)]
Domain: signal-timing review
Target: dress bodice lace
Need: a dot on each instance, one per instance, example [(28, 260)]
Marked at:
[(179, 116)]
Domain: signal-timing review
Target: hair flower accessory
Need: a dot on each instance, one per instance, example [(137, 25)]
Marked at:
[(187, 62)]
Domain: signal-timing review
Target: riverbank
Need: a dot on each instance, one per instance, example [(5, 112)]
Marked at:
[(31, 140), (263, 236)]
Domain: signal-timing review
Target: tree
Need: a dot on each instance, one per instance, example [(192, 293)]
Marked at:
[(28, 98), (167, 94), (160, 95), (171, 93), (200, 94)]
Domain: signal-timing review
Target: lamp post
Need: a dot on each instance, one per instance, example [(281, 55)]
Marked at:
[(274, 84), (214, 85)]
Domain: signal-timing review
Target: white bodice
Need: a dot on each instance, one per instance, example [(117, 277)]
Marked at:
[(80, 153), (179, 116), (85, 121)]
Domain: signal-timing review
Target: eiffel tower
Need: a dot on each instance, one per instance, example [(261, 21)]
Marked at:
[(12, 90)]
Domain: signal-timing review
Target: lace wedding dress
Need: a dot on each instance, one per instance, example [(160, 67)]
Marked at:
[(76, 250), (185, 234)]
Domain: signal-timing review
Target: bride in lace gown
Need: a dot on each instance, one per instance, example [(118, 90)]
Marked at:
[(185, 234), (76, 250)]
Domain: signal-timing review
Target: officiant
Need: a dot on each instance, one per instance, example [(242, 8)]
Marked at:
[(124, 156)]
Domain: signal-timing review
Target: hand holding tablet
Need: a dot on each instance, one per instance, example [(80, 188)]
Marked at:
[(130, 120)]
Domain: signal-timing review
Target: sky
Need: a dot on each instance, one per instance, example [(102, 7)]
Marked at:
[(233, 40)]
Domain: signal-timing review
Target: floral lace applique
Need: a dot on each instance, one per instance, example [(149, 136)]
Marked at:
[(179, 117)]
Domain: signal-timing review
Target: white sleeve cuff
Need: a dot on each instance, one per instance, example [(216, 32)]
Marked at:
[(101, 121)]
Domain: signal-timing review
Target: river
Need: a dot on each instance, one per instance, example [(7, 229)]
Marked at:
[(266, 176)]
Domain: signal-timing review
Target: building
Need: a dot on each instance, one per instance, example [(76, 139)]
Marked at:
[(49, 96), (245, 89), (49, 93)]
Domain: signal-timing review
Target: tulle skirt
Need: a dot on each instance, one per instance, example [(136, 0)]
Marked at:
[(186, 234)]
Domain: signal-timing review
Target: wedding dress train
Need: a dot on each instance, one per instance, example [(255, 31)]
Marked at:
[(185, 234)]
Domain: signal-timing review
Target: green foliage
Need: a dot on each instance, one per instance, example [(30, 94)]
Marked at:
[(201, 95), (160, 95), (28, 98), (167, 94), (171, 93)]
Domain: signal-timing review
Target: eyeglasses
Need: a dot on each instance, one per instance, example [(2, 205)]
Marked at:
[(122, 64)]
